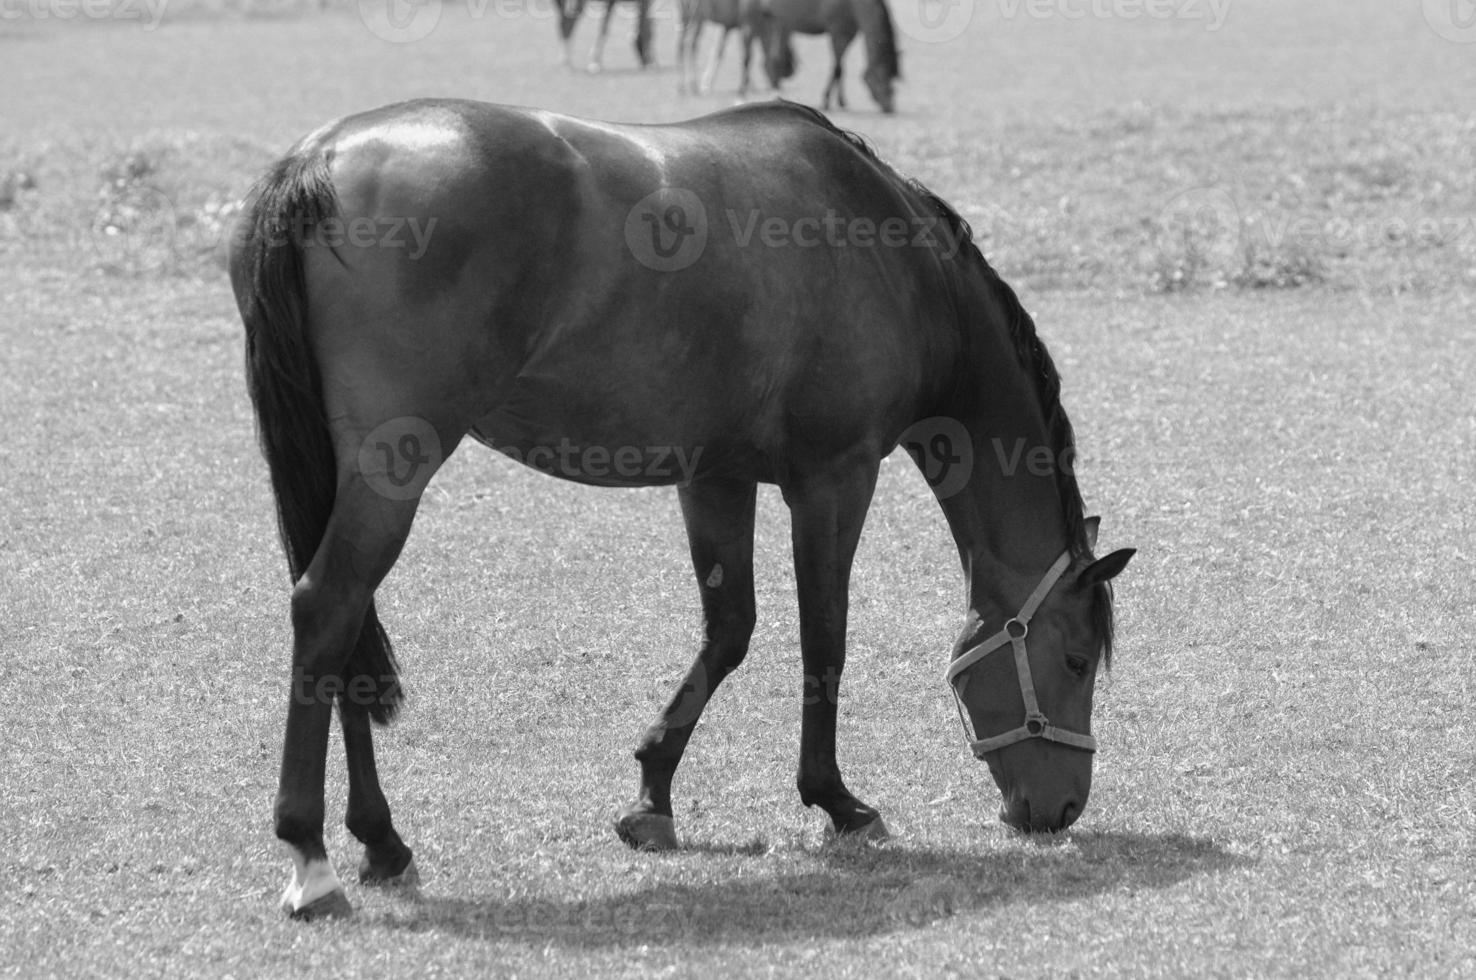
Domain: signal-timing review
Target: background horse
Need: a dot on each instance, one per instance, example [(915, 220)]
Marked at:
[(571, 10), (841, 19), (744, 16), (585, 297)]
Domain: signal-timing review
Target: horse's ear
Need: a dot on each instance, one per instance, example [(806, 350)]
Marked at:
[(1105, 569), (1090, 525)]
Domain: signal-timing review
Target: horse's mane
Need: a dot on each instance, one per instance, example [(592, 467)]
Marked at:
[(1033, 356)]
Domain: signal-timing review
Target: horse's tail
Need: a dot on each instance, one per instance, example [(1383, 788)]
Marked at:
[(282, 378)]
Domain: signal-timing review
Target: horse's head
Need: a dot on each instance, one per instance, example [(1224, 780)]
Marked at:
[(1026, 681), (879, 78)]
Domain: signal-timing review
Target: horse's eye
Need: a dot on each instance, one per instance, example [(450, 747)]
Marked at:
[(1078, 665)]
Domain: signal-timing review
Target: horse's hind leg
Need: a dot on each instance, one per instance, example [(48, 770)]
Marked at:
[(827, 514), (719, 518), (386, 860), (364, 536)]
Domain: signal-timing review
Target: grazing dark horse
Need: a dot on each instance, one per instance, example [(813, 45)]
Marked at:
[(571, 10), (743, 16), (841, 19), (750, 297)]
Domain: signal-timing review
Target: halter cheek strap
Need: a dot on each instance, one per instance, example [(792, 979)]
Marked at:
[(1013, 635)]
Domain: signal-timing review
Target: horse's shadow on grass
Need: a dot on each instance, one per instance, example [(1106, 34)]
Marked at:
[(861, 891)]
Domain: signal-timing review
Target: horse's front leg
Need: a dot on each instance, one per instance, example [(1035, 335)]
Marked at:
[(719, 518), (827, 514)]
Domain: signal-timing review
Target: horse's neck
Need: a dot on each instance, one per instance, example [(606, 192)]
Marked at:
[(1008, 520), (874, 20)]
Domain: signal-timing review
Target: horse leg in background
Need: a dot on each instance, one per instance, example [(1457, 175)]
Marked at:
[(714, 61), (827, 511), (597, 51), (689, 33), (386, 860), (643, 33), (749, 36), (364, 536), (839, 42), (719, 517), (569, 12)]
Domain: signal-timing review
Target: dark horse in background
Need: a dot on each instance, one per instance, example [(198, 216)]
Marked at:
[(590, 287), (841, 20), (571, 10)]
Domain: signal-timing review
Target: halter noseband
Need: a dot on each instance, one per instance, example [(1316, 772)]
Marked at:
[(1014, 633)]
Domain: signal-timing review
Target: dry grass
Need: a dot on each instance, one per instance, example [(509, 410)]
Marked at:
[(1284, 787)]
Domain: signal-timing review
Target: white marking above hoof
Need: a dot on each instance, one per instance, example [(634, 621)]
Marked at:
[(314, 890)]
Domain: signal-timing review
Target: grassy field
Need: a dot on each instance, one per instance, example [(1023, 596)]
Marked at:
[(1253, 253)]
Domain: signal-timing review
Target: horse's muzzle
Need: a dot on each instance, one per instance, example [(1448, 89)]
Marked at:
[(1030, 817)]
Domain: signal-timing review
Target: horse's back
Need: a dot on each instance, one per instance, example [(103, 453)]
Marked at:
[(542, 295)]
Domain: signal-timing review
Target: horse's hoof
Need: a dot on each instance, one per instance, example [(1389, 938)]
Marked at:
[(594, 67), (647, 831), (873, 832), (334, 905), (406, 877)]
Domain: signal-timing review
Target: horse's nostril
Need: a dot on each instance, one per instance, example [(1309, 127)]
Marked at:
[(1069, 813)]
